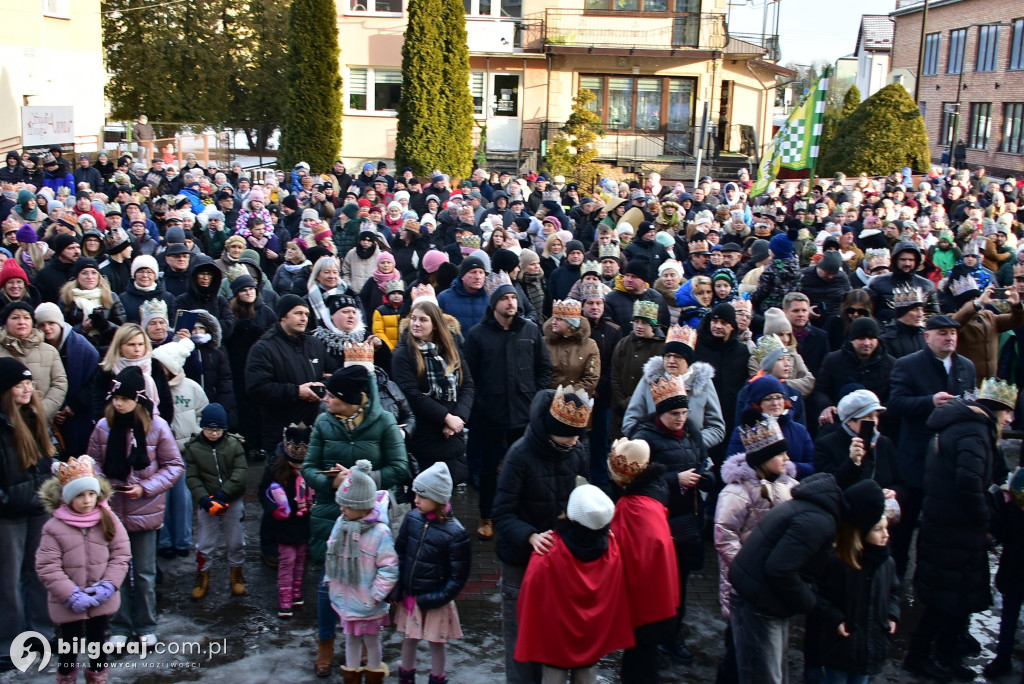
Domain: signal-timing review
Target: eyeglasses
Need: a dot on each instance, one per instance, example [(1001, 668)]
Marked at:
[(773, 398), (858, 312), (214, 430), (28, 384)]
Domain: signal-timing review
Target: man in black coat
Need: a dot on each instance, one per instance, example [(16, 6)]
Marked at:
[(286, 368), (904, 334), (862, 360), (906, 259), (631, 286), (919, 384), (825, 283), (509, 363), (606, 334), (718, 344), (58, 271)]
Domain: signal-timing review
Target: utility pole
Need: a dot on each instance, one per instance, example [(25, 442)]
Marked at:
[(920, 53)]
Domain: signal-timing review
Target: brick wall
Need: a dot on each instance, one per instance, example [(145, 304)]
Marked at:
[(976, 86)]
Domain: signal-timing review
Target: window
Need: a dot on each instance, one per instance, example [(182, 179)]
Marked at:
[(981, 124), (476, 90), (950, 121), (957, 40), (1013, 128), (57, 9), (1017, 45), (620, 102), (923, 108), (932, 44), (988, 48), (374, 90), (387, 6), (649, 104), (632, 5), (494, 8), (594, 84)]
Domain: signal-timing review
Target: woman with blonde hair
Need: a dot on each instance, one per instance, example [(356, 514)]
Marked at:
[(553, 254), (132, 347), (88, 293)]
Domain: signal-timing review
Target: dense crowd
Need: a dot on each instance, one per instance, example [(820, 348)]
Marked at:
[(626, 376)]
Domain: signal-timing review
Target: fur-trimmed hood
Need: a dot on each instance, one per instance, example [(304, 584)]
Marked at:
[(698, 378), (49, 493), (736, 470), (212, 326)]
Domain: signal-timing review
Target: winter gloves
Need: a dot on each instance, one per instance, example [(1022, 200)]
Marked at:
[(214, 504), (101, 591), (79, 601)]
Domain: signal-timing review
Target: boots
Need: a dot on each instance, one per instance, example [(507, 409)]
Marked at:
[(95, 677), (297, 593), (437, 679), (237, 582), (284, 602), (485, 530), (352, 675), (69, 678), (202, 585), (406, 676), (375, 676), (324, 657)]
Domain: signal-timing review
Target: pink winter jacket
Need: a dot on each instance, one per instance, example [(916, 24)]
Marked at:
[(740, 507), (165, 467), (70, 557)]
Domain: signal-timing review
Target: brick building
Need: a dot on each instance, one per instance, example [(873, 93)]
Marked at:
[(972, 76)]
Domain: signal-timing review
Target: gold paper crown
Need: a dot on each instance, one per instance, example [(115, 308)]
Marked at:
[(1018, 270), (874, 258), (963, 284), (999, 391), (73, 469), (591, 290), (683, 334), (590, 267), (153, 307), (569, 413), (495, 280), (566, 308), (629, 458), (236, 270), (609, 251), (741, 305), (471, 241), (907, 296), (426, 291), (761, 435), (667, 388), (359, 353), (394, 286), (698, 246), (646, 310), (766, 345)]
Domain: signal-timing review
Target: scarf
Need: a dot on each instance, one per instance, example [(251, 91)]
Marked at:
[(365, 253), (120, 461), (28, 214), (79, 520), (678, 434), (343, 552), (226, 258), (87, 300), (294, 268), (27, 259), (316, 300), (383, 279), (148, 288), (443, 385), (801, 335), (873, 557), (353, 421), (145, 364)]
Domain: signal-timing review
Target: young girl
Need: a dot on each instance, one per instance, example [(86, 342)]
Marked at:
[(286, 502), (361, 570), (83, 556), (434, 559), (859, 591)]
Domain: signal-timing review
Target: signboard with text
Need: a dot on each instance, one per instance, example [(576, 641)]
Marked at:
[(45, 127)]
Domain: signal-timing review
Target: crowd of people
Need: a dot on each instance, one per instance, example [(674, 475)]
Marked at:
[(799, 379)]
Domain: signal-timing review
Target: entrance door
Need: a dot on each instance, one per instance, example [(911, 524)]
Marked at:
[(504, 123)]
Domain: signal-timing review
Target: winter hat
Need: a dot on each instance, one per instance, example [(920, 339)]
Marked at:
[(670, 265), (724, 312), (527, 257), (862, 327), (310, 214), (6, 312), (504, 260), (10, 270), (433, 259), (628, 458), (12, 372), (144, 261), (358, 490), (82, 264), (434, 483), (831, 262), (48, 312), (77, 475), (349, 384), (781, 246), (553, 220), (129, 384), (864, 505), (152, 309), (569, 412), (775, 322), (62, 242), (385, 256), (770, 349), (213, 416), (469, 263), (27, 234), (759, 251), (590, 507), (858, 404), (639, 267), (234, 240), (256, 195), (175, 235), (172, 355), (288, 302), (484, 257), (574, 246), (762, 439), (242, 282), (763, 386)]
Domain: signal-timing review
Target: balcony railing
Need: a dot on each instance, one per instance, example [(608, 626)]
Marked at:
[(766, 41), (574, 28), (488, 35)]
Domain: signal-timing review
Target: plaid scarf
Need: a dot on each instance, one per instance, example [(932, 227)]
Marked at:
[(353, 421), (443, 385)]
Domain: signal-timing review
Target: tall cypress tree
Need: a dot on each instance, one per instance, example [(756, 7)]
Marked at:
[(420, 120), (456, 135), (311, 129)]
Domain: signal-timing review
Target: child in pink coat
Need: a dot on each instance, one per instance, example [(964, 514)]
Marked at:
[(83, 556)]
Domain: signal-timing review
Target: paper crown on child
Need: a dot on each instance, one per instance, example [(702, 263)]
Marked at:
[(77, 475), (766, 345), (742, 305), (764, 438), (646, 310), (876, 258), (682, 334), (907, 296), (569, 310), (609, 251), (571, 406), (962, 285), (1000, 392), (590, 267), (394, 286), (591, 290), (669, 393), (628, 458), (495, 280), (424, 292), (359, 354)]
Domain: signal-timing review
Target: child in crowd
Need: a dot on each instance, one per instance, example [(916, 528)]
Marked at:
[(83, 556), (286, 502), (859, 591), (573, 608), (215, 473), (1008, 529), (361, 569), (387, 315), (434, 560)]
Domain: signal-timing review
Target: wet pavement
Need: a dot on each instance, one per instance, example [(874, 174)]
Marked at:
[(258, 647)]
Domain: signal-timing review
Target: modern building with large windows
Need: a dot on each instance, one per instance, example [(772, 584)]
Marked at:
[(971, 78)]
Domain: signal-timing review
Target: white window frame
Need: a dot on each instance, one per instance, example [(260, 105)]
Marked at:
[(495, 13), (371, 81), (349, 12), (480, 87), (56, 9)]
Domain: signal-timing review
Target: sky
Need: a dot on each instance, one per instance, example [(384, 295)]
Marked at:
[(809, 30)]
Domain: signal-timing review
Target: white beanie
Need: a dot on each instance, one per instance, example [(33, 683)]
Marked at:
[(434, 483), (172, 355), (145, 261), (48, 312), (590, 507)]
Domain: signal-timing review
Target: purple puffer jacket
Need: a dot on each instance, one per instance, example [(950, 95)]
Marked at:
[(165, 467)]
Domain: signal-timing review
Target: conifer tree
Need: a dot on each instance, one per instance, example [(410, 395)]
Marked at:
[(420, 119)]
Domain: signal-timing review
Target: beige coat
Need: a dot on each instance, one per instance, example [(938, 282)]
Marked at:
[(45, 364)]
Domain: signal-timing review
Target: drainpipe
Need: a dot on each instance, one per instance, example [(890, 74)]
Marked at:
[(765, 88)]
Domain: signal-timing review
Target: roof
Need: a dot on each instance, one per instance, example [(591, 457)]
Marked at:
[(875, 33)]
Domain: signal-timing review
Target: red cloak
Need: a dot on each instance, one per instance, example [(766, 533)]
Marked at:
[(648, 559), (572, 613)]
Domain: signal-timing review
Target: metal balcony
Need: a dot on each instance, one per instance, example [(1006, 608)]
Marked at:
[(581, 31)]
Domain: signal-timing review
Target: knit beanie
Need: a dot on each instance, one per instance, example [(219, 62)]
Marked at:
[(527, 257), (433, 259), (574, 246), (172, 355), (27, 234), (242, 282), (77, 475), (724, 312), (6, 312), (11, 269), (759, 251), (504, 260), (639, 267), (590, 507), (864, 504), (144, 261), (48, 312), (82, 264), (358, 490), (863, 327), (469, 263), (781, 246), (62, 242), (434, 483), (12, 372), (348, 384), (130, 384), (775, 322), (763, 386), (213, 416), (288, 302), (831, 262)]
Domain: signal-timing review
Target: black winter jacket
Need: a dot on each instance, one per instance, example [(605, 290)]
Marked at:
[(607, 335), (132, 298), (1008, 529), (901, 339), (534, 485), (295, 528), (434, 560), (789, 549), (827, 294), (51, 278), (832, 455), (208, 298), (618, 306), (729, 359), (844, 367), (19, 488), (881, 287), (678, 455)]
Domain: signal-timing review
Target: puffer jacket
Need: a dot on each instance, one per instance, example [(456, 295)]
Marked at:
[(210, 468), (832, 455), (363, 597), (468, 308), (70, 557), (779, 278), (44, 362), (741, 505), (133, 298), (434, 560), (377, 439), (19, 489), (691, 312), (705, 413), (844, 367), (357, 271), (189, 402), (164, 469), (575, 360)]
